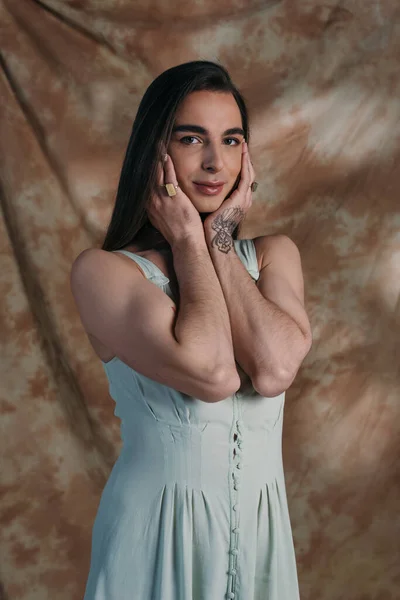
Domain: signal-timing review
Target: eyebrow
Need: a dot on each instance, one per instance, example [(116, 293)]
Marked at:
[(203, 131)]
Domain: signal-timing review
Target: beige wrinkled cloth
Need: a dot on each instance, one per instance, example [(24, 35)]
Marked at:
[(321, 80)]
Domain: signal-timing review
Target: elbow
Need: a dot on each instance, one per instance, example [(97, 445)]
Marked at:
[(276, 383), (270, 386), (225, 382)]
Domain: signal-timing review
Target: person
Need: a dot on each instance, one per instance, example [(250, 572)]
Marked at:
[(200, 333)]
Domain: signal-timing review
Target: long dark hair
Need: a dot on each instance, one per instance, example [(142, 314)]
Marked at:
[(151, 128)]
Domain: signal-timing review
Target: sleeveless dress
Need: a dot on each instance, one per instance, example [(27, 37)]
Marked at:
[(195, 507)]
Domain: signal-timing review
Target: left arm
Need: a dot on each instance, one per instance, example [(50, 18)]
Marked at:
[(270, 328)]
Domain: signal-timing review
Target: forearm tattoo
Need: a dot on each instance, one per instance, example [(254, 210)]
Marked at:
[(225, 224)]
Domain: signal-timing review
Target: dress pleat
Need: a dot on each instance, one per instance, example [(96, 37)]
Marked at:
[(195, 507)]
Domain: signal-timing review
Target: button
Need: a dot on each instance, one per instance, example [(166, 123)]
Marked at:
[(238, 466), (235, 530), (232, 572), (235, 486), (235, 507), (234, 551), (230, 595)]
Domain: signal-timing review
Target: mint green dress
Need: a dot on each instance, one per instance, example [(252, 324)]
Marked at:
[(195, 507)]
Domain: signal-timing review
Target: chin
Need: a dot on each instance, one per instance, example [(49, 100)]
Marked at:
[(204, 205), (207, 205), (208, 210)]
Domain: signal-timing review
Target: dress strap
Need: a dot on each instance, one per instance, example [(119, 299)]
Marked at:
[(150, 270), (246, 251)]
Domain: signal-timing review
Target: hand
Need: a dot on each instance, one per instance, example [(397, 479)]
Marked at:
[(175, 217), (220, 224)]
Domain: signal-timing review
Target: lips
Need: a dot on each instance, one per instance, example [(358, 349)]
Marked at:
[(209, 188)]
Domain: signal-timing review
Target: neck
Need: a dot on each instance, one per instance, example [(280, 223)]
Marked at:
[(154, 238)]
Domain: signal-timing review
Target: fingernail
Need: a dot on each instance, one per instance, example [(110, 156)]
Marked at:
[(165, 157)]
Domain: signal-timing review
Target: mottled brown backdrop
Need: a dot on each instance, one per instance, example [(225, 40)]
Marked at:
[(322, 80)]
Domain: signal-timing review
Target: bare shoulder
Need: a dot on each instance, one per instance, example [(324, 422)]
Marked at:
[(91, 256), (87, 259), (95, 262), (97, 274), (267, 245), (109, 288), (83, 266)]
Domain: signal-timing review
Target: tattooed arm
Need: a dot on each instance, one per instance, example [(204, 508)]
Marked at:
[(269, 343)]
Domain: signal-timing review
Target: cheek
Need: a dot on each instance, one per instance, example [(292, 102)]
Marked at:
[(235, 164), (179, 165), (183, 161)]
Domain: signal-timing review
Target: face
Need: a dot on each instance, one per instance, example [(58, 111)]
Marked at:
[(206, 147)]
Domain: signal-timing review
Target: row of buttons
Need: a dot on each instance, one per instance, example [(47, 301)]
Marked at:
[(236, 479)]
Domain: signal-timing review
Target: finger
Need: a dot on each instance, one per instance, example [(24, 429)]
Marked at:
[(251, 179), (160, 173), (244, 173), (169, 171), (247, 169), (252, 173), (163, 149), (250, 167)]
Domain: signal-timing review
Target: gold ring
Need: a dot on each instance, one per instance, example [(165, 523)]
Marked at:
[(171, 189)]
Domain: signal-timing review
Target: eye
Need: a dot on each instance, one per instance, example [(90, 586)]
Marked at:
[(234, 140), (187, 140)]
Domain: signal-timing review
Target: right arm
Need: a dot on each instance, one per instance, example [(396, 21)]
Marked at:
[(191, 351), (203, 325)]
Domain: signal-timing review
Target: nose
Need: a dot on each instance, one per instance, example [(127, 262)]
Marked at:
[(212, 158)]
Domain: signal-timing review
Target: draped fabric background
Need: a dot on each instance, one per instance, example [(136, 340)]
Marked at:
[(321, 78)]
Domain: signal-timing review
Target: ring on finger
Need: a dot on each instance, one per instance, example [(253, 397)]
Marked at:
[(254, 186), (170, 188)]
